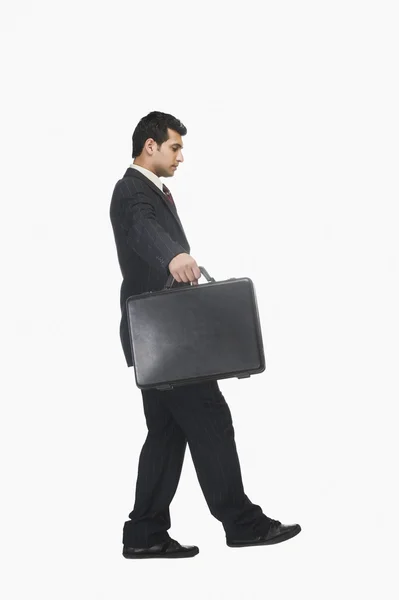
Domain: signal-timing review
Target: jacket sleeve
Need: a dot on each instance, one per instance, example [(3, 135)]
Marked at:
[(144, 234)]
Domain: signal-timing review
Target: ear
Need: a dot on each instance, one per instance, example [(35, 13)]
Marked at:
[(150, 146)]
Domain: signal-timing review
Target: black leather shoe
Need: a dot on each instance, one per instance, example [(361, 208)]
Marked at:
[(169, 549), (277, 533)]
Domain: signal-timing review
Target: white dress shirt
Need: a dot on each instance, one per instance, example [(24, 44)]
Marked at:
[(154, 178)]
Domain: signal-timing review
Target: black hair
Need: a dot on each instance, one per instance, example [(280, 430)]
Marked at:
[(154, 125)]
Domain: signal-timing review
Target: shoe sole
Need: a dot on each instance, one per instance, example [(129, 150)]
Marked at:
[(276, 540), (188, 554)]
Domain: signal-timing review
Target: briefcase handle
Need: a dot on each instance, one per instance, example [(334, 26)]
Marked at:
[(171, 279)]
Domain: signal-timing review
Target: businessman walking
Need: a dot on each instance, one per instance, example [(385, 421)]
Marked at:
[(151, 245)]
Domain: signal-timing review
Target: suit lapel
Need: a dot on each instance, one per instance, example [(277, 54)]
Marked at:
[(172, 209)]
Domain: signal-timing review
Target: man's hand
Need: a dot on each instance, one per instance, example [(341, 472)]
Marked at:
[(183, 267)]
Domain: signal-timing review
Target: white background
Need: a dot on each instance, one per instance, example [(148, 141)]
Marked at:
[(292, 117)]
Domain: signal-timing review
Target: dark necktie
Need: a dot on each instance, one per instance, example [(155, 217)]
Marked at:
[(168, 194)]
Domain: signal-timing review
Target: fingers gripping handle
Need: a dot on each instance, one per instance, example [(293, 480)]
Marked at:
[(170, 281)]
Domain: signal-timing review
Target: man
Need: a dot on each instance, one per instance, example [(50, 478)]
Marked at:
[(151, 245)]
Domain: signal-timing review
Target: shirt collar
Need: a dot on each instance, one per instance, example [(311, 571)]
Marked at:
[(154, 178)]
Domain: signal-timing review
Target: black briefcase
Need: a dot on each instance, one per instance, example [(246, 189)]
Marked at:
[(195, 333)]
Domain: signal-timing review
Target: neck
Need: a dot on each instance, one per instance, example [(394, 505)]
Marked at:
[(144, 165)]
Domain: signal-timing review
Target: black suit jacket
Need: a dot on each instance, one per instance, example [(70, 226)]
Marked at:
[(148, 234)]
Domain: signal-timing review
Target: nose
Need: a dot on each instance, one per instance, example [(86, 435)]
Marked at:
[(180, 157)]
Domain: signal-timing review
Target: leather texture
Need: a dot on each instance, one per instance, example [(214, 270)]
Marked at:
[(196, 333), (276, 533), (169, 549)]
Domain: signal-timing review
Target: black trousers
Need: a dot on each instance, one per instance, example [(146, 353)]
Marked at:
[(196, 414)]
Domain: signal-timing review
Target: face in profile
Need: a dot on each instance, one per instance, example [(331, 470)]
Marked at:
[(167, 157)]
